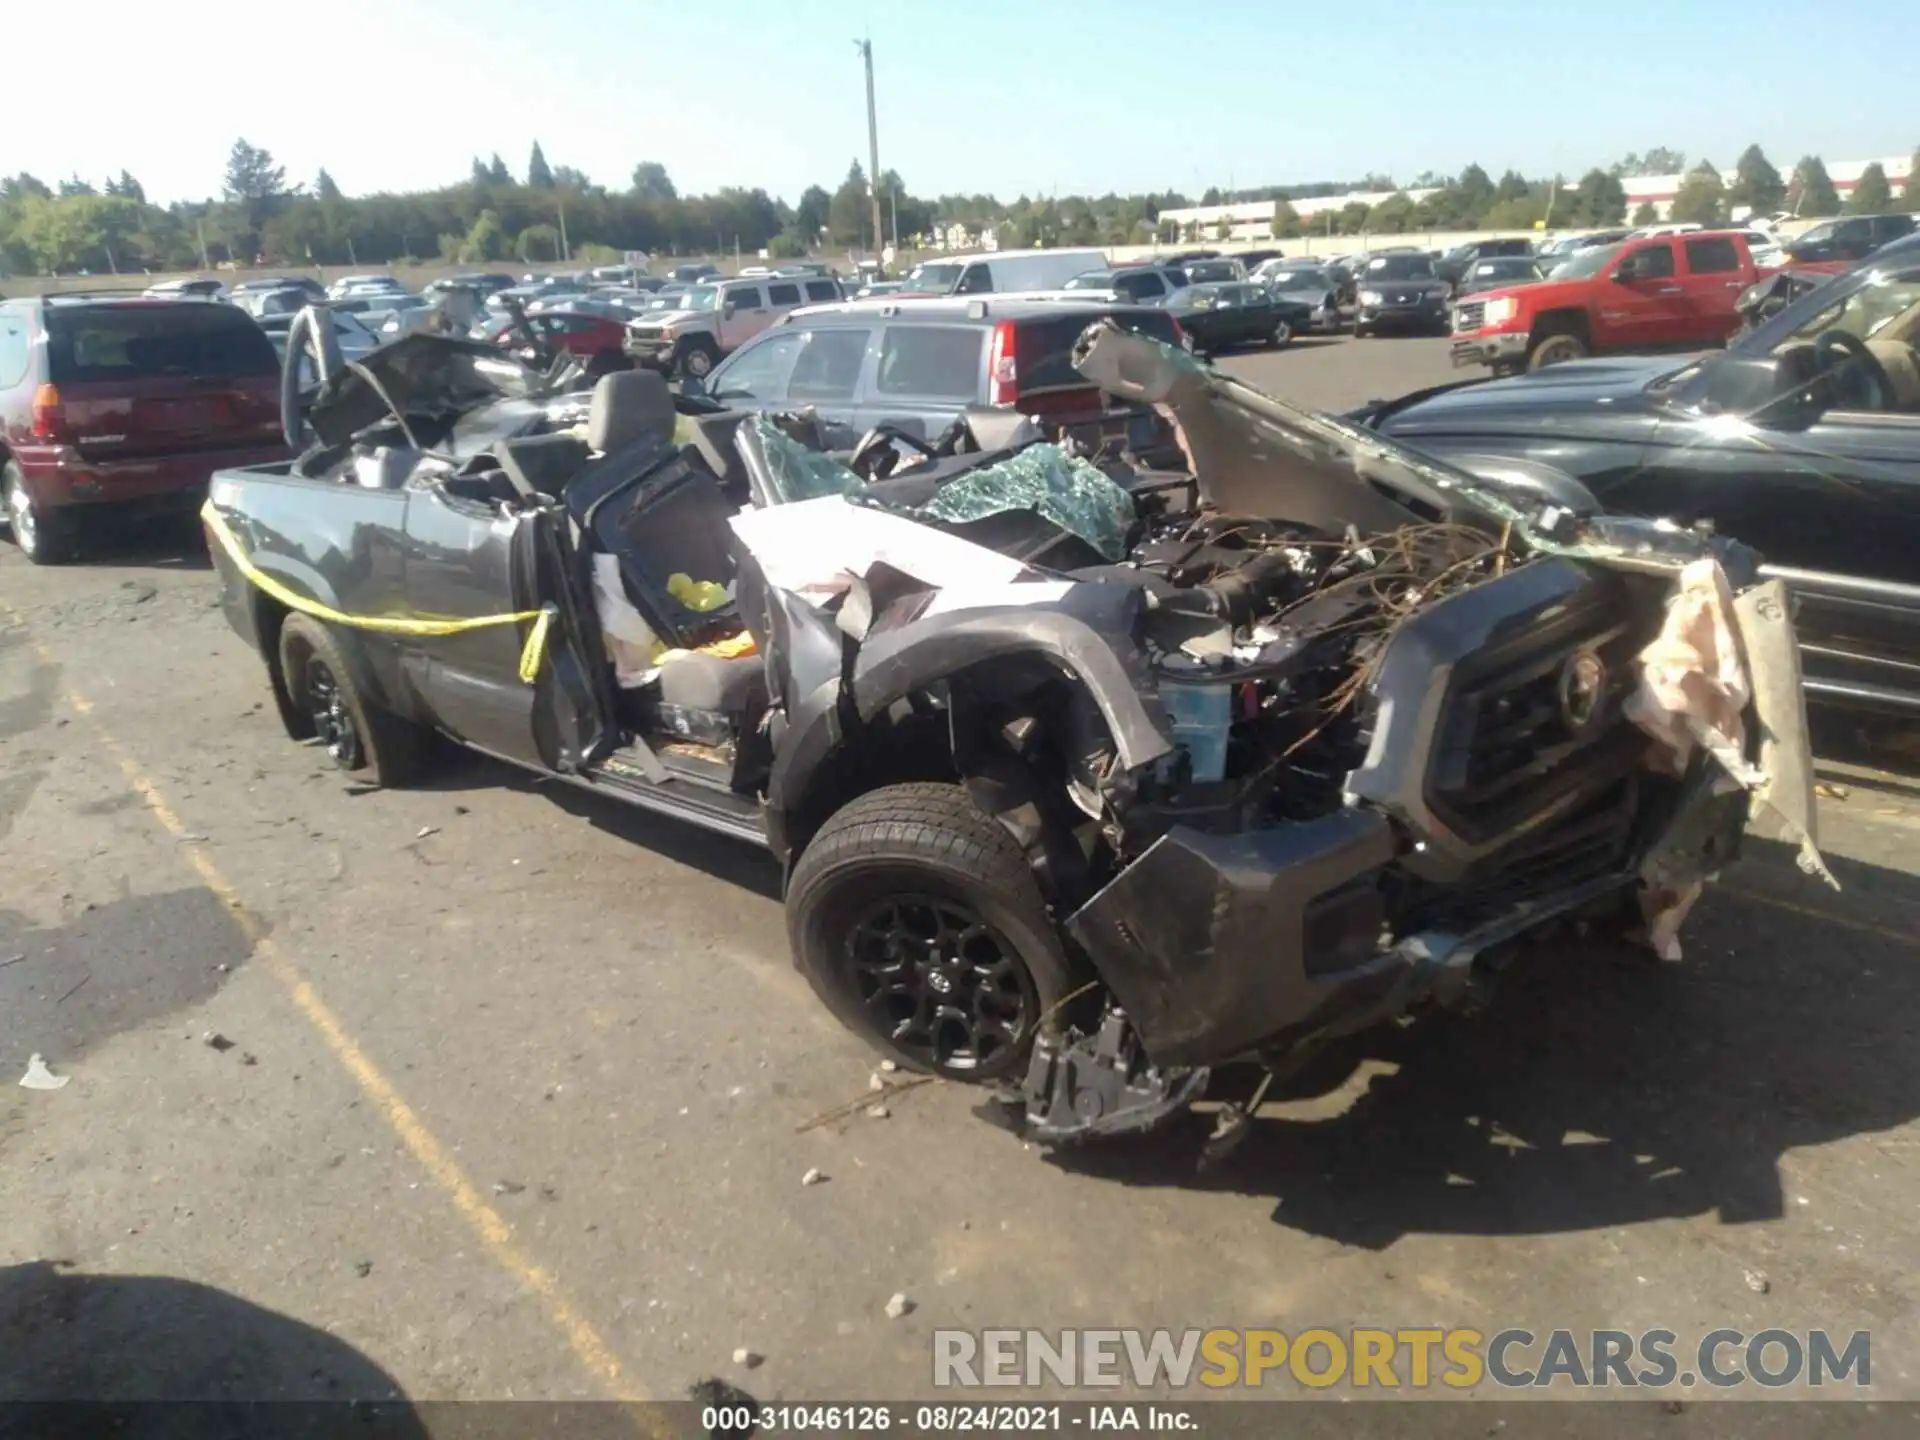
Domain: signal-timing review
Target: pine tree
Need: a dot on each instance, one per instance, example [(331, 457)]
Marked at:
[(539, 173), (1872, 195)]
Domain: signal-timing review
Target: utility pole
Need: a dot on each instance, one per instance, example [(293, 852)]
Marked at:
[(865, 47), (566, 250)]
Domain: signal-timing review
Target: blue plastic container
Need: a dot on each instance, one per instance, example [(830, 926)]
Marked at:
[(1201, 714)]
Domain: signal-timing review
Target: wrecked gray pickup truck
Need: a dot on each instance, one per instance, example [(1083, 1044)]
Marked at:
[(1088, 779)]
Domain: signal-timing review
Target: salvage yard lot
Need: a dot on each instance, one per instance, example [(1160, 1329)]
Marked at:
[(513, 1097)]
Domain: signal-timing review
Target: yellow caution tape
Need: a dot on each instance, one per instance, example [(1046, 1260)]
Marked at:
[(530, 653)]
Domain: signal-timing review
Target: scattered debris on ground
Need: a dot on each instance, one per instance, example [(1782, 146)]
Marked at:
[(508, 1187), (214, 1040), (1758, 1283), (747, 1359), (39, 1077), (814, 1176), (899, 1306)]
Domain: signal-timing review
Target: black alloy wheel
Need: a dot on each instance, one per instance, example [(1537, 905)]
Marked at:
[(940, 983), (332, 721)]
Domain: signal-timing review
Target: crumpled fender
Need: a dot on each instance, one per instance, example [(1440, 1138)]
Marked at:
[(1088, 633)]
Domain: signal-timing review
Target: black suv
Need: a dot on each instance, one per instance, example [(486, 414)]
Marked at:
[(919, 364), (1853, 238), (1453, 266)]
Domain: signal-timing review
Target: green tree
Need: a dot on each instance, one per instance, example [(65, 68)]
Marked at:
[(480, 178), (486, 239), (1810, 193), (1872, 195), (497, 172), (539, 173), (1223, 230), (1657, 161), (74, 185), (1757, 185), (1701, 198), (651, 181), (1353, 217), (810, 214), (21, 187), (1645, 213), (1392, 216), (324, 189), (252, 175), (1599, 199), (1513, 186), (1285, 224), (538, 242), (1475, 193), (847, 211)]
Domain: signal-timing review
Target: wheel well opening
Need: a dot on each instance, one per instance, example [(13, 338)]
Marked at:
[(1561, 322), (1019, 733), (269, 619)]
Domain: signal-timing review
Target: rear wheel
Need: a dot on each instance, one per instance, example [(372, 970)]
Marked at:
[(44, 538), (1360, 332), (916, 919), (1282, 335), (1556, 350), (359, 736)]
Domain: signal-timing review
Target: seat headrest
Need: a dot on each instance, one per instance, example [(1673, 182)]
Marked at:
[(629, 405), (999, 427)]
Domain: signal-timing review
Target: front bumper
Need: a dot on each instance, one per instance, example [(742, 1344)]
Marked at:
[(656, 352), (1490, 349), (59, 476), (1425, 315)]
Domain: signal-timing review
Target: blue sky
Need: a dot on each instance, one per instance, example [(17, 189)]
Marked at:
[(1006, 96)]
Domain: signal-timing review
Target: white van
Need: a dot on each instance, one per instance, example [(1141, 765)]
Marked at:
[(1001, 271)]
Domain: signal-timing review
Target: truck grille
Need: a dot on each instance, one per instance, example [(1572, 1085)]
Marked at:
[(1520, 729), (1503, 714), (1469, 315)]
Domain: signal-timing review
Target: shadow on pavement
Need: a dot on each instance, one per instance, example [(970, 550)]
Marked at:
[(733, 861), (171, 542), (132, 1340), (1601, 1087)]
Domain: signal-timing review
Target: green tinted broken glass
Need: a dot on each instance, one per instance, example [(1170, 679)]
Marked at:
[(1072, 493)]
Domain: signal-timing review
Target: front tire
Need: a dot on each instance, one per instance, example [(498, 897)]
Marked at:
[(697, 359), (1556, 350), (362, 739), (1360, 332), (916, 918), (45, 539), (1282, 335)]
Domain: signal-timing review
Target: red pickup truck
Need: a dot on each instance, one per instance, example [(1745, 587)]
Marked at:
[(1667, 292)]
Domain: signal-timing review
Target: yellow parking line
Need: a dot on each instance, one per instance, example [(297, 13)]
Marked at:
[(433, 1156), (1815, 912)]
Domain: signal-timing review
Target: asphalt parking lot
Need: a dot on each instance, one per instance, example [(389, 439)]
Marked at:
[(488, 1089)]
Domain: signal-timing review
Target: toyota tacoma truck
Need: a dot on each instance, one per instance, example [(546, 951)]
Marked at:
[(1668, 292), (1088, 779)]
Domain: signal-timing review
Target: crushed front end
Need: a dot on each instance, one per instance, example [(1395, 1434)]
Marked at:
[(1398, 755), (1310, 732)]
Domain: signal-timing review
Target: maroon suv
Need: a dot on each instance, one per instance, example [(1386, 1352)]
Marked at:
[(125, 405)]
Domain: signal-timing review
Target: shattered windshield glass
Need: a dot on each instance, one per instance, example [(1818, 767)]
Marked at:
[(1063, 488), (1069, 491)]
